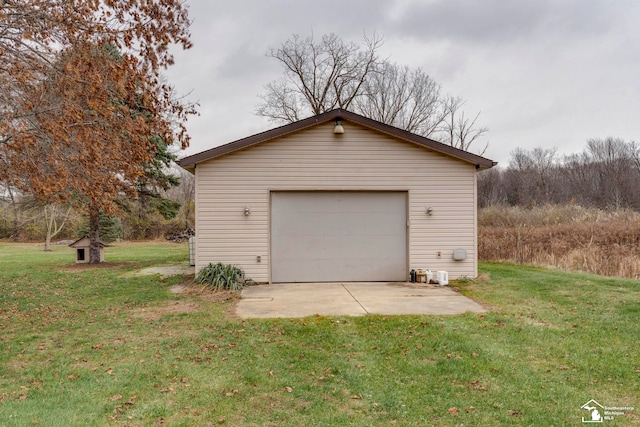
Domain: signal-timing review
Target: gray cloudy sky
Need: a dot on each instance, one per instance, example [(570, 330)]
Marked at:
[(543, 73)]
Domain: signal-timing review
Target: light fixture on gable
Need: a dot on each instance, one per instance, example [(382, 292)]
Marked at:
[(338, 129)]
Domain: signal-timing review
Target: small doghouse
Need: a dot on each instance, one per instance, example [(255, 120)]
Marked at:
[(82, 250)]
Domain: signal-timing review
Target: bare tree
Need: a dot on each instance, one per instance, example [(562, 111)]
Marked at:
[(185, 195), (518, 178), (544, 168), (578, 179), (532, 175), (612, 159), (491, 187), (19, 210), (55, 217), (319, 75), (634, 149), (605, 175), (406, 99), (458, 130)]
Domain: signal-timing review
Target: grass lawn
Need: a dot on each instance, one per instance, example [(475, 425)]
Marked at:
[(83, 346)]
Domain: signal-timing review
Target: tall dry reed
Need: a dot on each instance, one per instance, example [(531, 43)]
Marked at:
[(566, 237)]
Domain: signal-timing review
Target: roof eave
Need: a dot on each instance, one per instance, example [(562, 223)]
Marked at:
[(481, 163), (190, 162)]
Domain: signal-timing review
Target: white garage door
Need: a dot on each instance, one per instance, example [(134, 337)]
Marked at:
[(338, 236)]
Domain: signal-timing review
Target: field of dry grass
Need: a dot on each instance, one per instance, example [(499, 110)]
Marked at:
[(566, 237)]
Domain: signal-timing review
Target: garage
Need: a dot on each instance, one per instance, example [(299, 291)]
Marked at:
[(338, 236), (304, 203)]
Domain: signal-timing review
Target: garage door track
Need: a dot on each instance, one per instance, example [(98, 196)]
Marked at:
[(350, 299)]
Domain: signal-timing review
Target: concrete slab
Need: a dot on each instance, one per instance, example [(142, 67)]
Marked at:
[(350, 299), (297, 300)]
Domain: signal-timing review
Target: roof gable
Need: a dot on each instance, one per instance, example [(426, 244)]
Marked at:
[(480, 162), (85, 242)]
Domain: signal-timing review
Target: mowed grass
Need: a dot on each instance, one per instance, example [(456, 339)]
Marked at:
[(83, 346)]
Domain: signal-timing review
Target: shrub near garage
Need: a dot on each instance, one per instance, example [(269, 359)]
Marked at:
[(219, 277)]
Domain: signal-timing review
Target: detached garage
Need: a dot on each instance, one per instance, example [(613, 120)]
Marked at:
[(334, 198), (327, 236)]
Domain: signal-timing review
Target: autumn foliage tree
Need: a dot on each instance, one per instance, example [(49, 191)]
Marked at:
[(82, 104)]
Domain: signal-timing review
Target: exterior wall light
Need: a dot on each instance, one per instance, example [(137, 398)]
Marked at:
[(429, 210), (338, 129), (247, 210)]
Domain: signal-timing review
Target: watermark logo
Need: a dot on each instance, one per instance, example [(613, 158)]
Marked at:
[(596, 411), (599, 413)]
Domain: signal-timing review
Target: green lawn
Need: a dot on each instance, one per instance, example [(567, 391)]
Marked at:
[(101, 346)]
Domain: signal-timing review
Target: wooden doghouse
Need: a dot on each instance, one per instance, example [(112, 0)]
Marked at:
[(82, 250)]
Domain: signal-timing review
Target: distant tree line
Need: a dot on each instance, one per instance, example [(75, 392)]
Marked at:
[(24, 218), (605, 175)]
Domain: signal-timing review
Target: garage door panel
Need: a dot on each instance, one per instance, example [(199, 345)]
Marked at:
[(338, 236), (299, 224), (311, 247)]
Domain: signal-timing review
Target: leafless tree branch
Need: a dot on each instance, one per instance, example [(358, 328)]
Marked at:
[(321, 75)]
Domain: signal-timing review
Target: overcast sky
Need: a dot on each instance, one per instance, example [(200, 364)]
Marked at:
[(543, 73)]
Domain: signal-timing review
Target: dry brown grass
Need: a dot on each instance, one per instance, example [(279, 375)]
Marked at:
[(565, 237)]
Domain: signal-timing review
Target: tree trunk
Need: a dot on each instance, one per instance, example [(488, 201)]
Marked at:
[(51, 217), (47, 242), (15, 209), (94, 236)]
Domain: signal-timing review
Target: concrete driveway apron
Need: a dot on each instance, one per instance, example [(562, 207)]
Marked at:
[(350, 299)]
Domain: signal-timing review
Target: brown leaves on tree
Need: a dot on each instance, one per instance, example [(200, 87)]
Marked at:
[(30, 30), (88, 129), (82, 106)]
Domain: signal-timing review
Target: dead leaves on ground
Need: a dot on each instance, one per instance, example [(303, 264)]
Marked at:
[(472, 385), (119, 410), (151, 314), (230, 393), (475, 385), (468, 410)]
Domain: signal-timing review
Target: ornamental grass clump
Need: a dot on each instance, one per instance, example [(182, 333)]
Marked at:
[(219, 277)]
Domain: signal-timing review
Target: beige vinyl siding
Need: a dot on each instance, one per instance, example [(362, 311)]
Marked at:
[(316, 159)]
